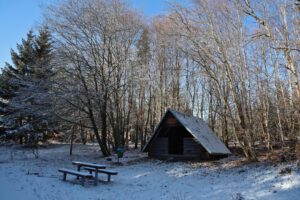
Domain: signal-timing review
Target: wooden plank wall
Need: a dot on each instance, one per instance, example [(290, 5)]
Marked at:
[(192, 148), (159, 147), (171, 122)]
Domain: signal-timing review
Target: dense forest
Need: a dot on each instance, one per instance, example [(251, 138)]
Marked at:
[(99, 70)]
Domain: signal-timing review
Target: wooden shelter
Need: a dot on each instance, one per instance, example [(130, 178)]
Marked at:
[(180, 136)]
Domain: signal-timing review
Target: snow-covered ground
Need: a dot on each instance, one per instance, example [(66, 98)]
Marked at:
[(24, 177)]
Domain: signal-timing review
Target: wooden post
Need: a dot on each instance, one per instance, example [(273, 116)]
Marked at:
[(297, 151), (78, 169), (96, 177), (72, 138), (82, 180)]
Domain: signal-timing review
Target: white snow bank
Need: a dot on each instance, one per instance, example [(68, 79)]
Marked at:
[(23, 177)]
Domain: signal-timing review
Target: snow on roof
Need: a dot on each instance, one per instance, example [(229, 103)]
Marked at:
[(201, 132)]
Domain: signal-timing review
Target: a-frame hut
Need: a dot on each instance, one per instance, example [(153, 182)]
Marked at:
[(180, 136)]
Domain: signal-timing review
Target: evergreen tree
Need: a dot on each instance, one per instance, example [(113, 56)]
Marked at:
[(143, 47), (10, 84), (25, 88), (24, 57)]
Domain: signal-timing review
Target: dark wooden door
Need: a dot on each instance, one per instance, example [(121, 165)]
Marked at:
[(175, 144)]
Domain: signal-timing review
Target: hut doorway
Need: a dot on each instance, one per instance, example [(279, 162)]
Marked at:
[(175, 143)]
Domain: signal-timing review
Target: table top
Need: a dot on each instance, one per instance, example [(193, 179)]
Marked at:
[(94, 165)]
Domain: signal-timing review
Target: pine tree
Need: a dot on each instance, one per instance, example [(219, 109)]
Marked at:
[(43, 54), (25, 55), (41, 84), (25, 88), (143, 47), (10, 84)]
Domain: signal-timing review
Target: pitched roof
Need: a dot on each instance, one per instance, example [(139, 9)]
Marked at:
[(199, 130)]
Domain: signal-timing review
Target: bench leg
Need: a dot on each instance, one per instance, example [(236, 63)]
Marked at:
[(96, 177), (65, 176), (108, 177), (82, 180), (78, 169)]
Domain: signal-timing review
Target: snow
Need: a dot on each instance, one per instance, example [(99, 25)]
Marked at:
[(24, 177)]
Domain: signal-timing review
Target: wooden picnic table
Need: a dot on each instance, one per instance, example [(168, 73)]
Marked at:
[(91, 165)]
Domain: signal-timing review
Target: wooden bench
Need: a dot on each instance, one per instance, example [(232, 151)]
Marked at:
[(83, 175), (91, 165), (108, 172)]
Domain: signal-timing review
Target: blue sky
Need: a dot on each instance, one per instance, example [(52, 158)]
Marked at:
[(17, 17)]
